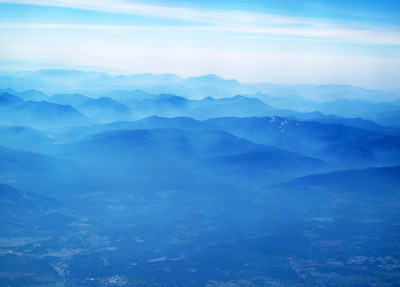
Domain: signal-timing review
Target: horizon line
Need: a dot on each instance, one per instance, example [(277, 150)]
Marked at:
[(182, 78)]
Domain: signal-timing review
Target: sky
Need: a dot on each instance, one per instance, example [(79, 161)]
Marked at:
[(284, 42)]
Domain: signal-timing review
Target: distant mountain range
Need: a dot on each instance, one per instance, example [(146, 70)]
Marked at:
[(61, 81), (350, 142), (40, 114)]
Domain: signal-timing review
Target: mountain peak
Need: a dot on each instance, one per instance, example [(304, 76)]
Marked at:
[(33, 95), (211, 77)]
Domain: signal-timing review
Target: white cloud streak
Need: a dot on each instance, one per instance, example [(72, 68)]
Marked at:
[(218, 21), (322, 34)]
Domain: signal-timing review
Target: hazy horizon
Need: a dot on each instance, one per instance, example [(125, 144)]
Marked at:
[(283, 43), (116, 73)]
